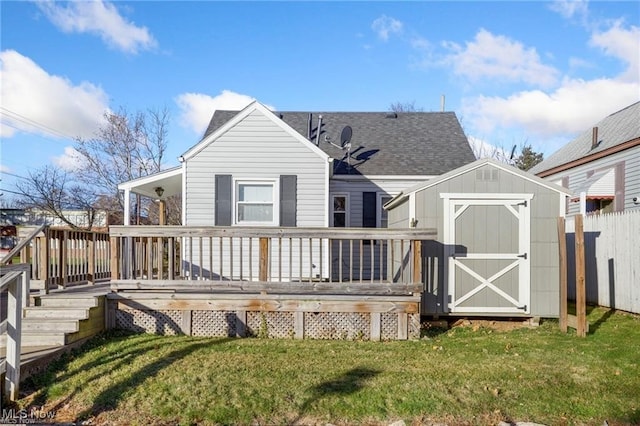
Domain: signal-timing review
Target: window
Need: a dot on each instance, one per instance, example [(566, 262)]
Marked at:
[(254, 203), (340, 209)]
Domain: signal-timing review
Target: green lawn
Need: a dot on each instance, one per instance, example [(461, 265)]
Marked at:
[(461, 376)]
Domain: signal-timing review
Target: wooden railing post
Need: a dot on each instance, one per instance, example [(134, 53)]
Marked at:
[(91, 248), (115, 256), (417, 261), (45, 260), (263, 268)]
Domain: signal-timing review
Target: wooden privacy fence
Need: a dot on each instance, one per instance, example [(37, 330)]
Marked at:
[(612, 260), (267, 254), (63, 257)]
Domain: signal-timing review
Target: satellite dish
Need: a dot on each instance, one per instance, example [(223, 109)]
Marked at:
[(345, 136)]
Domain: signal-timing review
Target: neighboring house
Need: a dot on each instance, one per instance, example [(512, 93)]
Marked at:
[(601, 167), (497, 247), (299, 169)]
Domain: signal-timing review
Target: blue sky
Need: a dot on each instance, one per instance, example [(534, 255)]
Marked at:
[(514, 72)]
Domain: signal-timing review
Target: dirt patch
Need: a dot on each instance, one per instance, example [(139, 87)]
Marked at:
[(497, 324)]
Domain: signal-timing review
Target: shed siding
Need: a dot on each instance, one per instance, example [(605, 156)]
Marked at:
[(544, 210), (577, 176)]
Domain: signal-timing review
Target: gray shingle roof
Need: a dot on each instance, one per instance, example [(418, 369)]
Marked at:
[(617, 128), (414, 143)]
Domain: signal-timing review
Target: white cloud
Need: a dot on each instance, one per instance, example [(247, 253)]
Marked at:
[(34, 101), (197, 108), (570, 109), (68, 161), (385, 25), (623, 44), (498, 57), (570, 8), (101, 18), (5, 169)]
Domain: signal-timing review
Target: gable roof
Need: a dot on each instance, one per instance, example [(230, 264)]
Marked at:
[(614, 134), (470, 167), (237, 117), (382, 143)]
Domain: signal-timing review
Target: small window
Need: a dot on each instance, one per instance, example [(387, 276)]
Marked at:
[(340, 208), (255, 203)]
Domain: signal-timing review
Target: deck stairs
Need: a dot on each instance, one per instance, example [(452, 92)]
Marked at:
[(61, 319)]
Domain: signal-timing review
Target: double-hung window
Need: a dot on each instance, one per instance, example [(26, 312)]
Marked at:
[(255, 202), (340, 211)]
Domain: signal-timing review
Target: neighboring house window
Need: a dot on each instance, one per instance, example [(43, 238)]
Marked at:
[(340, 209), (383, 215), (255, 202)]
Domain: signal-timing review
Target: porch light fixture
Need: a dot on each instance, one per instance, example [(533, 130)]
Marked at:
[(159, 191)]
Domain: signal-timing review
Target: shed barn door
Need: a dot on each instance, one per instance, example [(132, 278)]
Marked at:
[(487, 243)]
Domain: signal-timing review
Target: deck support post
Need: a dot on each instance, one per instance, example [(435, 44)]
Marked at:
[(298, 325), (375, 332), (241, 323), (403, 325)]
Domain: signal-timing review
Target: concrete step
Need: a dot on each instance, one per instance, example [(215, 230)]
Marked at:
[(50, 325), (54, 312), (68, 302)]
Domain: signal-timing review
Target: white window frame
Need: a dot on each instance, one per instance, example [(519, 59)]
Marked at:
[(347, 208), (379, 208), (275, 183)]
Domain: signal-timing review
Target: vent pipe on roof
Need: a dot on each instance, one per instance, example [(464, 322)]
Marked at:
[(594, 138), (309, 126), (442, 103), (319, 130)]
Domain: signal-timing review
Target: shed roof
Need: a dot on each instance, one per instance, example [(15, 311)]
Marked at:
[(616, 129), (470, 167), (382, 143)]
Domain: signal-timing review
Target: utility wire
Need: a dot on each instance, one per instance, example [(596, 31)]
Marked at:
[(25, 120)]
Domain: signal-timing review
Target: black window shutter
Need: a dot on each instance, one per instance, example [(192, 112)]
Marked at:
[(288, 200), (369, 210), (223, 200)]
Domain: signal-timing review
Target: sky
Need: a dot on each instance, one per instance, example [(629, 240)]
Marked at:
[(514, 72)]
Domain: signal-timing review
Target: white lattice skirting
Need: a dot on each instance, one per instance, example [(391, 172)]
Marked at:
[(313, 325)]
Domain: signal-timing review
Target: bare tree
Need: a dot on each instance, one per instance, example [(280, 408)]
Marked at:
[(126, 147), (405, 107), (54, 191)]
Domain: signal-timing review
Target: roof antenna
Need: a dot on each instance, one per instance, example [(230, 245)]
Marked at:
[(513, 152)]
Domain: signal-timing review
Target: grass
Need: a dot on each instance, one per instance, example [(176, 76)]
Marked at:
[(460, 376)]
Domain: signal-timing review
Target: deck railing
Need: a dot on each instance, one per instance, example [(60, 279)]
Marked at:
[(307, 255), (63, 257)]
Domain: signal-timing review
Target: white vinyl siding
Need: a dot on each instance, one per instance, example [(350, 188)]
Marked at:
[(256, 148)]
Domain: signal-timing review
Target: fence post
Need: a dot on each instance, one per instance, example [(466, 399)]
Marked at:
[(562, 251), (263, 268), (581, 297)]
